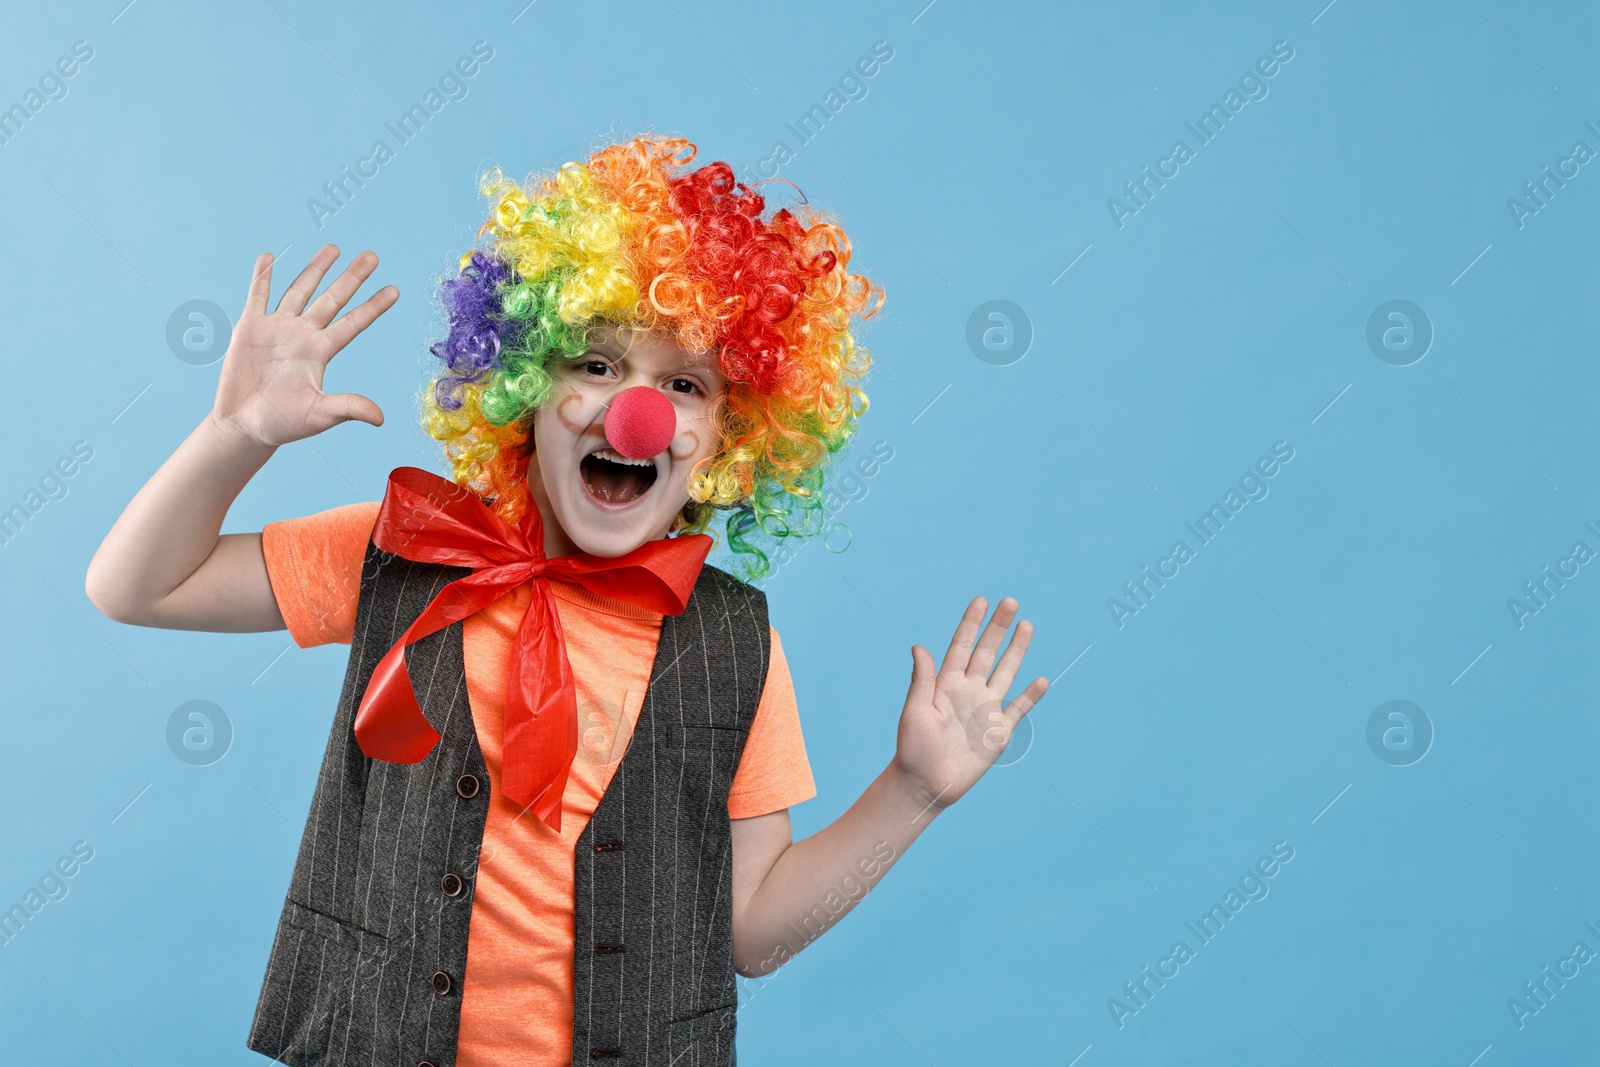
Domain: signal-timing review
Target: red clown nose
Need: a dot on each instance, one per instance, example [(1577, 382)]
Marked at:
[(640, 422)]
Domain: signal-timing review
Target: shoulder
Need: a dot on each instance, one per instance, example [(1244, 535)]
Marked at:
[(725, 603), (717, 586), (715, 581)]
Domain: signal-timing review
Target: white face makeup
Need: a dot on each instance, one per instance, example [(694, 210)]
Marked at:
[(592, 498)]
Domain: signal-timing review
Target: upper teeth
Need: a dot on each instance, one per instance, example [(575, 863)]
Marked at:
[(616, 457)]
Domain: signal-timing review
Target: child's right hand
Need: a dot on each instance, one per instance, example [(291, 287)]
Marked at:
[(270, 390), (164, 563)]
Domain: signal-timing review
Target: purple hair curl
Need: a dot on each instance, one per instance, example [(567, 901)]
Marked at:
[(472, 349)]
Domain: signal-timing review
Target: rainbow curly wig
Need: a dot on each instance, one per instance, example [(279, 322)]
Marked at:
[(634, 238)]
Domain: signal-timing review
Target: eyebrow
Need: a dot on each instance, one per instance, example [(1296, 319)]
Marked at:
[(604, 349), (702, 365)]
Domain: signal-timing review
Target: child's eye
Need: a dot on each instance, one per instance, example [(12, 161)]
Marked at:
[(597, 367), (684, 385)]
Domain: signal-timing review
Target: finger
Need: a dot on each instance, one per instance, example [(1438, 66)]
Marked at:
[(1027, 699), (333, 408), (1006, 669), (306, 282), (335, 296), (365, 314), (922, 677), (959, 654), (989, 641), (255, 301)]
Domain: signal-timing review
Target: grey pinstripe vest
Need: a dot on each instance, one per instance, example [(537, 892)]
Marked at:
[(366, 966)]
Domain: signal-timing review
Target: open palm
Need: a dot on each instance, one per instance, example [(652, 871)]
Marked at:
[(270, 389), (956, 722)]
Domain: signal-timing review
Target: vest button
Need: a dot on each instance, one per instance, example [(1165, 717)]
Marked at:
[(467, 785), (452, 885), (426, 1063), (441, 983)]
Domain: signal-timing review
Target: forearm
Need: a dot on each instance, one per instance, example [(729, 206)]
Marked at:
[(816, 882), (171, 527)]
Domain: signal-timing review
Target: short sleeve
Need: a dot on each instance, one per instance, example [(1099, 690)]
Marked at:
[(314, 565), (773, 772)]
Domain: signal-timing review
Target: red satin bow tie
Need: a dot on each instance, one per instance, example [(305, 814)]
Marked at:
[(429, 520)]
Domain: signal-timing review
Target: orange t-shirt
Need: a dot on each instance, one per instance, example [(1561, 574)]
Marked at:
[(516, 1005)]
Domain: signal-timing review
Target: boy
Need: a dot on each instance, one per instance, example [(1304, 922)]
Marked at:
[(552, 820)]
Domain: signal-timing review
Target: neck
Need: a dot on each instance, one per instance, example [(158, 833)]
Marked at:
[(556, 541)]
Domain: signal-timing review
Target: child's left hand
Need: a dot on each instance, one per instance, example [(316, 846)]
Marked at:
[(956, 722)]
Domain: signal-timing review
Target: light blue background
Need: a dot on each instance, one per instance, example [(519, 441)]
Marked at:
[(1224, 317)]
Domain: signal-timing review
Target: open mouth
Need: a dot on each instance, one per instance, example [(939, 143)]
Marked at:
[(611, 477)]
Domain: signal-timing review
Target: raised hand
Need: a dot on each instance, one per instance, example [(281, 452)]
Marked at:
[(270, 391), (956, 722)]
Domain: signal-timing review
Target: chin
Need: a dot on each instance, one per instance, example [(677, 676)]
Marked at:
[(607, 541)]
